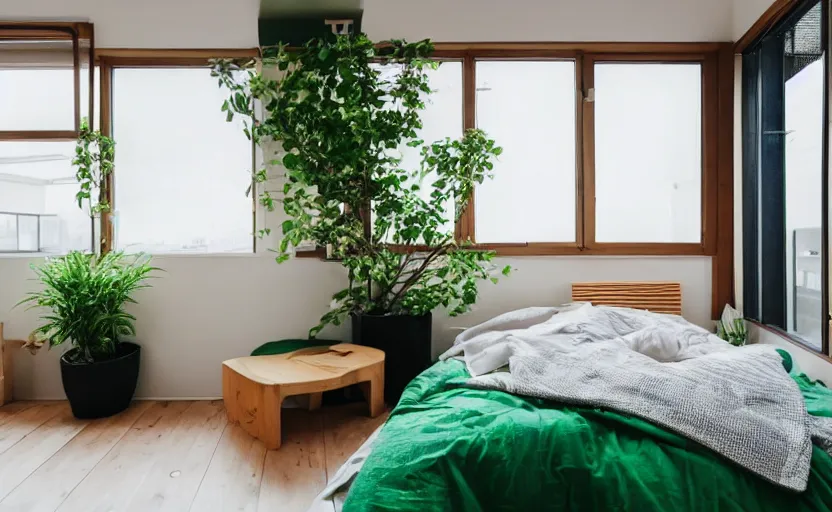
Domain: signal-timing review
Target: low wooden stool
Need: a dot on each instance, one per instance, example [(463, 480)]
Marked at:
[(254, 387), (6, 370)]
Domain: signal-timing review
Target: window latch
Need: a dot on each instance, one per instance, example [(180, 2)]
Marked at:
[(589, 97)]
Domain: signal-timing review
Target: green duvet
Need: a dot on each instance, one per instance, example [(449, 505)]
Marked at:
[(449, 448)]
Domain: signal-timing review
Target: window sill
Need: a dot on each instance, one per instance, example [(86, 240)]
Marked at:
[(557, 249), (794, 340)]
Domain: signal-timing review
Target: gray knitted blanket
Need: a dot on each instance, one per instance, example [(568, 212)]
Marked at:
[(739, 402)]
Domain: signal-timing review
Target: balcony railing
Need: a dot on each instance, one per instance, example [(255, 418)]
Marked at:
[(29, 233)]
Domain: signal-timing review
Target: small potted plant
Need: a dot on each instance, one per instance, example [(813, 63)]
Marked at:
[(341, 112), (86, 295)]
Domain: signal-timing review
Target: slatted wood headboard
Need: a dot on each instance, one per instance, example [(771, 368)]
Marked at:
[(656, 296)]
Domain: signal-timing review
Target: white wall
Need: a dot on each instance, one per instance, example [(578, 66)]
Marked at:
[(151, 23), (808, 363), (744, 13), (206, 309), (233, 24), (547, 20)]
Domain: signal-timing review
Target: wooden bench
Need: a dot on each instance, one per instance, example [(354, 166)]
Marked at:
[(6, 367), (254, 387)]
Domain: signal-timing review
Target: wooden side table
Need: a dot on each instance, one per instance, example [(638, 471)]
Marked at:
[(254, 387)]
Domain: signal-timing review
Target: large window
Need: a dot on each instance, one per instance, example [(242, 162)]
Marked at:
[(785, 204), (45, 82), (529, 108), (607, 153), (648, 152), (181, 171)]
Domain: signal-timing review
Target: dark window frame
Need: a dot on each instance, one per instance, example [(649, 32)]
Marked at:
[(763, 174)]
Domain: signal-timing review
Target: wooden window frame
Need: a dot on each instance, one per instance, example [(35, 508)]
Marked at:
[(585, 56), (718, 127), (74, 31), (109, 60)]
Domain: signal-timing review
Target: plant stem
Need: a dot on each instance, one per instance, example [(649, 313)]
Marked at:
[(438, 251)]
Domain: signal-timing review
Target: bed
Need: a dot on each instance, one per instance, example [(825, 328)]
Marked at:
[(448, 446)]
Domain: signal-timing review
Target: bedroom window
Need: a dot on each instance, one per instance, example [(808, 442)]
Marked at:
[(648, 152), (604, 152), (45, 84), (542, 115), (181, 171), (785, 178)]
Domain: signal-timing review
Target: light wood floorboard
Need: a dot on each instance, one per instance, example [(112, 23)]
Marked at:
[(169, 456)]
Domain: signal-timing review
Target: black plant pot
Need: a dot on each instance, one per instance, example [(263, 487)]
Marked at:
[(405, 341), (102, 388)]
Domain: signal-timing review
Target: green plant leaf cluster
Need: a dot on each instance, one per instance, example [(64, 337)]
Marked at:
[(93, 161), (341, 110), (85, 295), (735, 333)]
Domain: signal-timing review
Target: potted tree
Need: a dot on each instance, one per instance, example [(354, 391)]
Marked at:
[(85, 294), (340, 114)]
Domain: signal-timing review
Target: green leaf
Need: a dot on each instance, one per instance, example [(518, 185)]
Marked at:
[(290, 161), (323, 54), (506, 270)]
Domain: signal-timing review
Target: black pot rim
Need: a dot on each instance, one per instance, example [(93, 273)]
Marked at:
[(134, 347), (391, 315)]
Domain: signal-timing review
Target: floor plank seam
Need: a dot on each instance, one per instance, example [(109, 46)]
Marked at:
[(11, 491), (126, 431), (208, 466), (48, 419), (262, 476)]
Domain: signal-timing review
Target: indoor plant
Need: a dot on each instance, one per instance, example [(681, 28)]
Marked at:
[(86, 294), (340, 112)]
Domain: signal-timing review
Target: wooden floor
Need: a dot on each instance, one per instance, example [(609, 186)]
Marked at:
[(172, 456)]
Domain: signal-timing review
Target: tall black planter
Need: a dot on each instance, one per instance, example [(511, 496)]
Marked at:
[(102, 388), (405, 341)]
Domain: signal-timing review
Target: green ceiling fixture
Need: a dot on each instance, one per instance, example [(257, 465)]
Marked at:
[(295, 22)]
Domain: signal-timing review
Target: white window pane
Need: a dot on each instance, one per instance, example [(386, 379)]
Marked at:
[(27, 231), (529, 109), (804, 209), (181, 171), (8, 233), (37, 85), (37, 178), (648, 152), (441, 119)]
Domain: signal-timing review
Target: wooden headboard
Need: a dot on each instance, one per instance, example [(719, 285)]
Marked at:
[(655, 296)]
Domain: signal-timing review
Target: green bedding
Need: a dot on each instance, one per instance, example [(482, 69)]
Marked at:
[(449, 448)]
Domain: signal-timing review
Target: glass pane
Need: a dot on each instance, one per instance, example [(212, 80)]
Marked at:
[(804, 81), (8, 232), (648, 153), (529, 109), (441, 118), (37, 86), (27, 232), (37, 178), (181, 170)]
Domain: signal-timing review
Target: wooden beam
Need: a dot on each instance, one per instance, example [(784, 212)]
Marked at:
[(722, 273), (777, 11)]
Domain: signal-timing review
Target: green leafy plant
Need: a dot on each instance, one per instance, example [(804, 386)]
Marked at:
[(734, 332), (86, 295), (340, 113), (93, 161)]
